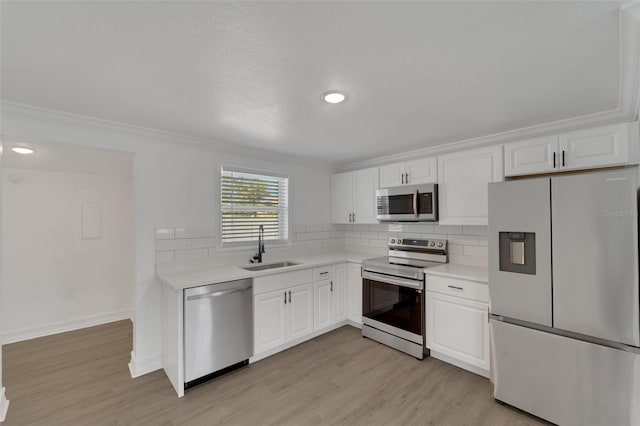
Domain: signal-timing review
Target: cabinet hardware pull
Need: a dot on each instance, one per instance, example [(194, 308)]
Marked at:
[(285, 297), (402, 178), (354, 217), (554, 159), (563, 158), (331, 288), (324, 273), (455, 288), (406, 177), (289, 296)]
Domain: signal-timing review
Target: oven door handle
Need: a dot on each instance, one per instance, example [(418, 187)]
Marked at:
[(416, 196), (388, 279)]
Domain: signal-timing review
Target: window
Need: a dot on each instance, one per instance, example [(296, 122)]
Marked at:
[(249, 200)]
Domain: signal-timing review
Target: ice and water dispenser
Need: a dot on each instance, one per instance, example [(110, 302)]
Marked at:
[(517, 252)]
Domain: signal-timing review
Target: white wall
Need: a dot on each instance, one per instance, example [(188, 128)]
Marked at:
[(54, 279), (4, 402), (174, 186)]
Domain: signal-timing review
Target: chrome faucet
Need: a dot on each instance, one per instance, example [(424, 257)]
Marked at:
[(258, 257)]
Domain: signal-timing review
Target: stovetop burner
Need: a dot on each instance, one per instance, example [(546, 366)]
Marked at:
[(408, 257)]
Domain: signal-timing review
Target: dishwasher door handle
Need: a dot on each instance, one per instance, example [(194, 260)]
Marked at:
[(219, 293)]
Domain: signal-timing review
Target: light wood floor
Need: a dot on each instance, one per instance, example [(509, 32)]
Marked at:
[(81, 378)]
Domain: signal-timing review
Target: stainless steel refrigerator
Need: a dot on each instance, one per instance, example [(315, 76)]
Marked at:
[(564, 295)]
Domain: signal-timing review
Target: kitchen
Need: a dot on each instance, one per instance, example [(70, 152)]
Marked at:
[(209, 99)]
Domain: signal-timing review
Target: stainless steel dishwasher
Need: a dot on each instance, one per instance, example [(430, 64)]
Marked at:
[(218, 329)]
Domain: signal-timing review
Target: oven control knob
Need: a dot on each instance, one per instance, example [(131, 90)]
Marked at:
[(433, 244), (393, 241), (440, 244), (399, 241)]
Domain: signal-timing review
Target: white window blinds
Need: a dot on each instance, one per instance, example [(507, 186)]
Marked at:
[(249, 200)]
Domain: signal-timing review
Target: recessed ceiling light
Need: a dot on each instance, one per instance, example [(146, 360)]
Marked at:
[(333, 97), (22, 150)]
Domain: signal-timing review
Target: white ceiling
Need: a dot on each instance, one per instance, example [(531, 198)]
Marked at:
[(65, 158), (417, 74)]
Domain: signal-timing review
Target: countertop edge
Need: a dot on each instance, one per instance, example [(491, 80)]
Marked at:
[(177, 283), (481, 275)]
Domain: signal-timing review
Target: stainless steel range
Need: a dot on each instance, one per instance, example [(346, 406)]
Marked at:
[(393, 293)]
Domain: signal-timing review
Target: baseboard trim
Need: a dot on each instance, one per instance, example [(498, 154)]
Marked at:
[(140, 367), (4, 405), (288, 345), (63, 326), (353, 323)]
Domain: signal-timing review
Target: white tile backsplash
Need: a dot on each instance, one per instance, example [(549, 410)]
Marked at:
[(166, 245), (165, 234), (194, 232), (467, 244)]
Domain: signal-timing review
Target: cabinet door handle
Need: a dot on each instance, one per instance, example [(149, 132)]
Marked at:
[(402, 178), (563, 158), (285, 297), (354, 218), (324, 273), (289, 296), (406, 177), (331, 287), (555, 154), (455, 288)]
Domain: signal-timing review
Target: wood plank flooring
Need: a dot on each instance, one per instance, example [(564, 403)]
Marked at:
[(340, 378)]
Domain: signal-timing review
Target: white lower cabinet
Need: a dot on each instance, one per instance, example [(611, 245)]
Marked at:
[(354, 290), (457, 326), (299, 311), (330, 296), (293, 306), (270, 320), (323, 312), (340, 281), (281, 316)]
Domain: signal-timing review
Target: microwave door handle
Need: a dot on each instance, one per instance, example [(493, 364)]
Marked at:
[(416, 196)]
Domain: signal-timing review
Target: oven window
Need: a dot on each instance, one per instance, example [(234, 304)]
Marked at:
[(397, 306), (425, 203), (401, 204)]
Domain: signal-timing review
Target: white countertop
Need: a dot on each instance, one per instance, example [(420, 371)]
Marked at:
[(464, 272), (203, 273)]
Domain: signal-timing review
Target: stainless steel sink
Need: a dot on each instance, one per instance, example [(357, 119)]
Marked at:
[(262, 267)]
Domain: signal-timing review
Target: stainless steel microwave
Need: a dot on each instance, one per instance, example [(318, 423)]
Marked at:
[(408, 203)]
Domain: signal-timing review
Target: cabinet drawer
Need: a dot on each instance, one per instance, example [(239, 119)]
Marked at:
[(322, 273), (282, 281), (471, 290)]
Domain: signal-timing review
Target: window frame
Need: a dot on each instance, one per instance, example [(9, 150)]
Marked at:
[(243, 245)]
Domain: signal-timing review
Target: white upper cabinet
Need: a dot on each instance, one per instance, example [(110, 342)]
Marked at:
[(353, 196), (365, 184), (582, 149), (599, 147), (341, 197), (531, 156), (424, 170), (463, 179), (392, 175)]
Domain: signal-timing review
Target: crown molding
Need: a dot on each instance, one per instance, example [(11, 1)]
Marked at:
[(30, 113), (603, 118)]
